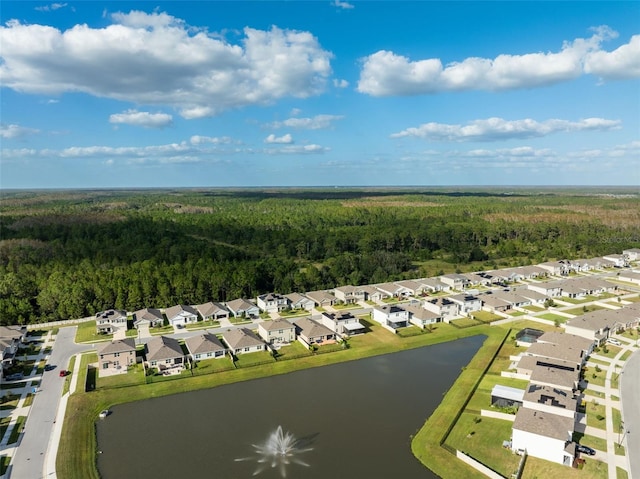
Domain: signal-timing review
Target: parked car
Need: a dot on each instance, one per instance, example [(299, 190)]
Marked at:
[(614, 341), (49, 367), (586, 450), (63, 373), (14, 377)]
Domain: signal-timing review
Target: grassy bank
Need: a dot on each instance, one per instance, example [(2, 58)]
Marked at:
[(427, 445), (78, 448)]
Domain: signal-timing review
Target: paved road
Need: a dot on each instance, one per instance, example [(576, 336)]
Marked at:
[(629, 394), (29, 459)]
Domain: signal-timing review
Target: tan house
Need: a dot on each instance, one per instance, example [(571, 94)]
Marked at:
[(278, 331), (116, 356), (243, 341), (312, 333), (164, 353), (205, 346)]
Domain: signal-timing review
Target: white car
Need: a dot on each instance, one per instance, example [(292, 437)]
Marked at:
[(614, 341)]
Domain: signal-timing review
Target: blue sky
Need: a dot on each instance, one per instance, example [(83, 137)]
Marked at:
[(319, 93)]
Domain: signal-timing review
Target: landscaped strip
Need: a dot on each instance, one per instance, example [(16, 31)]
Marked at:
[(77, 450), (17, 429), (427, 445)]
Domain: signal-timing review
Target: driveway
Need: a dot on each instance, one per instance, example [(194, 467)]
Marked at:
[(29, 459)]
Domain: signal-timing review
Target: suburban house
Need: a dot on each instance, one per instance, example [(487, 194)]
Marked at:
[(584, 286), (272, 302), (299, 301), (550, 289), (391, 316), (322, 299), (181, 315), (342, 323), (455, 281), (556, 268), (165, 354), (350, 294), (372, 294), (551, 400), (630, 276), (566, 340), (632, 254), (479, 279), (597, 325), (492, 302), (467, 303), (243, 341), (111, 320), (513, 298), (434, 285), (534, 297), (116, 356), (443, 307), (212, 311), (241, 308), (555, 376), (393, 290), (312, 333), (10, 339), (422, 317), (572, 356), (413, 288), (278, 331), (618, 260), (204, 346), (544, 435), (149, 317)]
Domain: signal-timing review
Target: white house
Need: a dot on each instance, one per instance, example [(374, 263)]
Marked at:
[(443, 307), (467, 303), (618, 260), (391, 316), (299, 301), (422, 317), (632, 254), (212, 311), (181, 315), (111, 320), (544, 435), (455, 281), (241, 308), (150, 317), (272, 302)]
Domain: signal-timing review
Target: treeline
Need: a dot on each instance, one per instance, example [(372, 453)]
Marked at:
[(69, 255)]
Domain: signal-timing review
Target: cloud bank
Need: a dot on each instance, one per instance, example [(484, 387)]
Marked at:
[(141, 118), (386, 73), (156, 59)]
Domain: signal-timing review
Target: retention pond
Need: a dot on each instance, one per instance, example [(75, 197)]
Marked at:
[(349, 420)]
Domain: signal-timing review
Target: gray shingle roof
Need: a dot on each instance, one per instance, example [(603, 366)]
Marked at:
[(117, 346), (241, 338), (174, 311), (543, 423), (204, 343), (276, 324), (163, 347), (312, 329)]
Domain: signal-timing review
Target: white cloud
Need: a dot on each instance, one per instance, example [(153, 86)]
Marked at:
[(141, 118), (284, 139), (200, 140), (343, 5), (297, 150), (386, 73), (51, 7), (156, 59), (340, 83), (493, 129), (15, 131), (621, 63), (318, 122)]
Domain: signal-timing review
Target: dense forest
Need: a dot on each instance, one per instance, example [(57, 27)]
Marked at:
[(68, 254)]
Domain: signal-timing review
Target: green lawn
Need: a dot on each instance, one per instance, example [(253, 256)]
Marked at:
[(9, 401), (486, 316), (596, 415), (608, 351), (552, 317), (516, 313), (466, 322), (533, 308), (481, 438), (591, 441), (210, 366), (28, 400), (621, 473), (4, 425), (583, 310), (540, 469), (203, 325), (625, 355), (618, 449), (17, 429), (293, 350), (595, 377), (67, 379), (86, 333), (599, 361), (161, 330), (134, 376), (617, 419), (252, 359)]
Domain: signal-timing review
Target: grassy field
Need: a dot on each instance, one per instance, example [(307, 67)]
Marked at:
[(77, 451), (552, 317), (486, 316), (596, 415), (540, 469), (591, 441), (595, 377)]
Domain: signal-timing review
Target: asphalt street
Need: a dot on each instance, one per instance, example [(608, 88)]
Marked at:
[(629, 394), (29, 460)]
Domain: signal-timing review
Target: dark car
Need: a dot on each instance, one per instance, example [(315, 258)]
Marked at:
[(49, 367), (586, 450), (15, 377)]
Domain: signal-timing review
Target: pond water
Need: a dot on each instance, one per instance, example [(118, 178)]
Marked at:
[(349, 420)]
